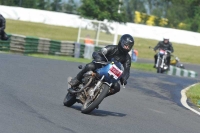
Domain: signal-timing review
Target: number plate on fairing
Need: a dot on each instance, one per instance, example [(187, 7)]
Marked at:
[(161, 51), (115, 71)]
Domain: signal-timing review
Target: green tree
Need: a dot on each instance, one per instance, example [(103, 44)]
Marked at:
[(10, 2), (186, 11), (70, 7), (41, 4), (26, 3), (56, 5), (131, 6), (102, 9)]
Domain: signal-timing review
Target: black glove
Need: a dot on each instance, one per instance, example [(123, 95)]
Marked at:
[(123, 81), (98, 59)]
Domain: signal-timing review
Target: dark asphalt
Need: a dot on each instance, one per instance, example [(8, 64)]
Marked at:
[(32, 92)]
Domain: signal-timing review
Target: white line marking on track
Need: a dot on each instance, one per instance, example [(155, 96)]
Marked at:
[(184, 99)]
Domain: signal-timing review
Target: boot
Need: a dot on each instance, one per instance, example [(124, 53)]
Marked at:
[(111, 92), (74, 82)]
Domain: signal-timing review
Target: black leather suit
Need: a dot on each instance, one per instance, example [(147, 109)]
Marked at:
[(164, 46), (3, 35), (112, 52)]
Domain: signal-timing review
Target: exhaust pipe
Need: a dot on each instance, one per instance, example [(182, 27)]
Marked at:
[(73, 91)]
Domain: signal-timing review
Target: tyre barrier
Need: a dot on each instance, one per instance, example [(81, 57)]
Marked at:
[(181, 72), (33, 45)]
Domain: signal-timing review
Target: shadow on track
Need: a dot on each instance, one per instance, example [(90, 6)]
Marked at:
[(98, 112)]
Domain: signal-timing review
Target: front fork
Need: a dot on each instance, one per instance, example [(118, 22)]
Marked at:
[(91, 93), (162, 62)]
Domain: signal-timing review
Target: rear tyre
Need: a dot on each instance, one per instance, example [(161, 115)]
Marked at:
[(89, 106), (69, 100)]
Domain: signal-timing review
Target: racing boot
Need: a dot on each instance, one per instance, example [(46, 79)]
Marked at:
[(74, 82)]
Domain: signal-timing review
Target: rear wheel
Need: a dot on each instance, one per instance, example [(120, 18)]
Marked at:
[(90, 105), (69, 100)]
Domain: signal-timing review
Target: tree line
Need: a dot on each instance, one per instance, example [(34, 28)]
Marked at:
[(179, 14), (52, 5)]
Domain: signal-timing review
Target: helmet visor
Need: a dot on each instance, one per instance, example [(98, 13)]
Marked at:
[(125, 45)]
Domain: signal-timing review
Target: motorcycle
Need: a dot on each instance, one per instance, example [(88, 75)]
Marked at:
[(176, 62), (95, 85), (161, 64)]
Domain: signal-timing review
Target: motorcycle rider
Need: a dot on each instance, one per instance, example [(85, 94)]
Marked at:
[(118, 52), (3, 35), (165, 45)]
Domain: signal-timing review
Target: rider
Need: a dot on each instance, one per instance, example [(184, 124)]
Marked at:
[(3, 35), (165, 45), (118, 52)]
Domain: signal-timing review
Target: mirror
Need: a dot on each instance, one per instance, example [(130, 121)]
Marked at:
[(80, 66)]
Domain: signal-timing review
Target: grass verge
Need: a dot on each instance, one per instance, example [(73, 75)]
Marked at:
[(138, 66), (193, 95), (186, 53)]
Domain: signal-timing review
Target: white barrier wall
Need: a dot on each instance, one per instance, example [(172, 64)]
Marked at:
[(69, 20)]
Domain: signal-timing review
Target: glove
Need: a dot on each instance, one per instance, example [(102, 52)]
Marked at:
[(123, 81), (98, 59)]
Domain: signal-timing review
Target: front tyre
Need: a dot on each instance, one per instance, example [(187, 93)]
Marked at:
[(89, 105), (69, 100), (159, 69)]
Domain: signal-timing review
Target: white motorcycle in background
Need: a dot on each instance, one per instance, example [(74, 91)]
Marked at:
[(161, 63)]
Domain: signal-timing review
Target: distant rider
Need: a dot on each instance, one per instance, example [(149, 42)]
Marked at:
[(165, 45), (118, 52), (3, 35)]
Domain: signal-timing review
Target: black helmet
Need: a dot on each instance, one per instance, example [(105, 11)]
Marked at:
[(126, 43)]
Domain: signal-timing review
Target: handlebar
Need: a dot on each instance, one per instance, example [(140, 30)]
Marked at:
[(159, 49), (102, 62), (168, 51)]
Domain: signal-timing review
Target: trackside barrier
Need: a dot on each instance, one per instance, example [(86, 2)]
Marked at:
[(32, 45), (181, 72)]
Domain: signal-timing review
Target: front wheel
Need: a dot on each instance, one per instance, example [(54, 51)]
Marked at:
[(69, 100), (159, 69), (89, 105)]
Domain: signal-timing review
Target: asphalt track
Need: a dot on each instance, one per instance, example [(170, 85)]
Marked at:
[(32, 92)]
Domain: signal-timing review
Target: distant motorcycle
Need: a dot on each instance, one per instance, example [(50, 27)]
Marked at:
[(176, 62), (95, 85), (161, 64)]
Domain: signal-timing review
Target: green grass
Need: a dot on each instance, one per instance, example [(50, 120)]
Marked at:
[(138, 66), (186, 53), (194, 95), (65, 58)]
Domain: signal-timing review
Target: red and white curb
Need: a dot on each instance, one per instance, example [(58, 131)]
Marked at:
[(184, 100)]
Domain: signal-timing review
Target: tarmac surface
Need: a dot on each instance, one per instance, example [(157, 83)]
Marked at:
[(32, 92)]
